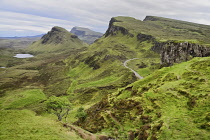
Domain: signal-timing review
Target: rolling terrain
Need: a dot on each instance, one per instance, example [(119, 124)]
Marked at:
[(166, 103)]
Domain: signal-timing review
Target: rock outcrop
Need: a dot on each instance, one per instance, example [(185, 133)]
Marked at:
[(172, 52), (143, 37), (151, 18), (57, 35), (112, 30)]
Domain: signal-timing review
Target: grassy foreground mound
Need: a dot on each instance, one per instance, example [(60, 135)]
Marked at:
[(24, 125), (19, 121)]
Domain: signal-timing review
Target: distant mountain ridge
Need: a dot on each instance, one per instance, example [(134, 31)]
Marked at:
[(18, 41), (86, 34), (18, 37)]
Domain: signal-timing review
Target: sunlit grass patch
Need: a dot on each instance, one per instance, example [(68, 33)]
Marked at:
[(24, 125), (22, 98)]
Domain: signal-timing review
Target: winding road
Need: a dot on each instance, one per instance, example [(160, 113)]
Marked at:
[(136, 74)]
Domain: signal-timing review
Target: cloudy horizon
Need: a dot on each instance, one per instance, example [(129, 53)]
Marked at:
[(34, 17)]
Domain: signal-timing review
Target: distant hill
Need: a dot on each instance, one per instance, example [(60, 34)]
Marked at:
[(86, 34), (58, 39)]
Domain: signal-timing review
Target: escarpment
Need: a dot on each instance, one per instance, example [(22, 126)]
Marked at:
[(172, 52), (113, 29)]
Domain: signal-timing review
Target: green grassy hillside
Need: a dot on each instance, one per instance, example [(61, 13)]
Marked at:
[(99, 70), (128, 110), (171, 103)]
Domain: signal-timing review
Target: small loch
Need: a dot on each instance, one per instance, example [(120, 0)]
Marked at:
[(23, 56)]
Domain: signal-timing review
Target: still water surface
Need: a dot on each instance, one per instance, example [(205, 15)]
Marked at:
[(23, 55)]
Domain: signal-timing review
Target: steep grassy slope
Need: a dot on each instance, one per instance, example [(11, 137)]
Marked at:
[(127, 38), (100, 69), (171, 103), (141, 109)]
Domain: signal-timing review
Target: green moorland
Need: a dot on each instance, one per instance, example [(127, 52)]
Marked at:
[(169, 103)]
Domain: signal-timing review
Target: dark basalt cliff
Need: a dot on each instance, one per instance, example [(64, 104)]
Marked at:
[(143, 37), (112, 29), (172, 52)]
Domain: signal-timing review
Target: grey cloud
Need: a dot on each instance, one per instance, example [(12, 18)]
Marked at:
[(95, 14)]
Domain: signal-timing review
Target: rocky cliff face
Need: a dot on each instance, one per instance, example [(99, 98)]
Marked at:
[(172, 52), (143, 37), (86, 34), (112, 30)]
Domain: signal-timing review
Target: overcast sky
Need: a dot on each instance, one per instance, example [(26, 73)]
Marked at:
[(33, 17)]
